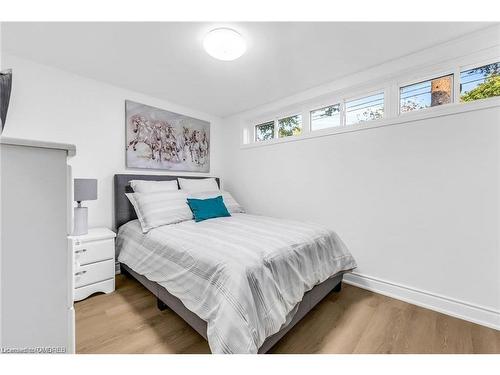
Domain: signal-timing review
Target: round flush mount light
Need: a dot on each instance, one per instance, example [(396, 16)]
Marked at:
[(224, 44)]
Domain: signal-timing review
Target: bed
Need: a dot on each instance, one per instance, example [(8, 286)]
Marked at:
[(238, 284)]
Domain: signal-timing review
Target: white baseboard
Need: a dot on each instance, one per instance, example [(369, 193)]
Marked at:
[(449, 306)]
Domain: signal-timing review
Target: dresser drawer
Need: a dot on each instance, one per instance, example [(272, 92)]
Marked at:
[(94, 272), (90, 252)]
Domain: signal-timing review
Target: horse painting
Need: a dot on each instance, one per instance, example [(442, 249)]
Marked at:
[(161, 139)]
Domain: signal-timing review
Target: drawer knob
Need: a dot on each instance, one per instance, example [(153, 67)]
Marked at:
[(80, 273), (81, 251)]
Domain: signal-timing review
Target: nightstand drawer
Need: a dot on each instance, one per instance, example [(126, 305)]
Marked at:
[(106, 286), (90, 252), (95, 272)]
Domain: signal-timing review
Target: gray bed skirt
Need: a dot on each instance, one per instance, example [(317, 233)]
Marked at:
[(311, 299)]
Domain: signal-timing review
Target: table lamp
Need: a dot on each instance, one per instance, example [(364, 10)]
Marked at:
[(85, 189)]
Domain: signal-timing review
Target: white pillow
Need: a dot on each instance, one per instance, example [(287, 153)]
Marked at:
[(198, 185), (162, 208), (232, 206), (144, 186)]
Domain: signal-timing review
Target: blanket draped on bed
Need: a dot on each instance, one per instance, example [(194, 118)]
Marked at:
[(243, 275)]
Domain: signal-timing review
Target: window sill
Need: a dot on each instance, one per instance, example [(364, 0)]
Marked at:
[(409, 117)]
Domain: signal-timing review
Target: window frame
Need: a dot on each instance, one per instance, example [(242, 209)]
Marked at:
[(462, 68), (428, 77), (361, 96), (260, 124), (281, 117), (310, 111)]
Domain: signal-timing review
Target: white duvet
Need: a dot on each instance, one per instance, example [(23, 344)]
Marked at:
[(242, 274)]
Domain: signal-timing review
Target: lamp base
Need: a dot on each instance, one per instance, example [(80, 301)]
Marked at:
[(80, 221)]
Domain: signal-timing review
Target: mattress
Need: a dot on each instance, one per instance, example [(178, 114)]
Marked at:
[(244, 275)]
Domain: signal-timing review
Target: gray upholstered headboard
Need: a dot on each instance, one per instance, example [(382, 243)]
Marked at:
[(124, 212)]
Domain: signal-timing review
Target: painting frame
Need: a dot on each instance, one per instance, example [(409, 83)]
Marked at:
[(159, 139)]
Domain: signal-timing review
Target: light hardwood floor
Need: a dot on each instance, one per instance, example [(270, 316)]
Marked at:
[(352, 321)]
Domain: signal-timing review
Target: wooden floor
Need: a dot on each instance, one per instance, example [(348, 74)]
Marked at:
[(352, 321)]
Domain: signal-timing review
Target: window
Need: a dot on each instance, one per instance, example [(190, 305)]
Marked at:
[(458, 85), (480, 83), (326, 117), (264, 131), (365, 109), (426, 94), (291, 125)]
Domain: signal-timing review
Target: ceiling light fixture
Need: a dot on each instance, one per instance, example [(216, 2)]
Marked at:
[(224, 44)]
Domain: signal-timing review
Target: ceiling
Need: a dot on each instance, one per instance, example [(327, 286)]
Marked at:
[(167, 60)]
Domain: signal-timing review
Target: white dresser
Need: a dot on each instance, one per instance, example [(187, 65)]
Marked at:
[(94, 262), (36, 262)]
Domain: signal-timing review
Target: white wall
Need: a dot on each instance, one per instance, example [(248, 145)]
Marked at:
[(417, 202), (50, 104)]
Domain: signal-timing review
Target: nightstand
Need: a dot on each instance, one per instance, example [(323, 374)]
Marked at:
[(94, 262)]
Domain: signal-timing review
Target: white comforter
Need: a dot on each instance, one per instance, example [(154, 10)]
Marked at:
[(242, 274)]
